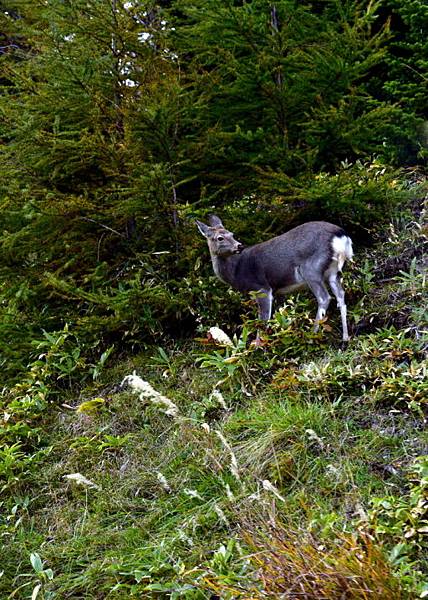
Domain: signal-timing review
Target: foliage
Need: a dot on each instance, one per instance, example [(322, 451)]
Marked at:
[(292, 563), (120, 123), (358, 196), (402, 522), (406, 84), (292, 80)]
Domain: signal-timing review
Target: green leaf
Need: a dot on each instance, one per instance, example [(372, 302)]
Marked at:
[(397, 552), (36, 562)]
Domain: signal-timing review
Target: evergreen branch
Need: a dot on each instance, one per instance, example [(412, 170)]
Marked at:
[(102, 225), (416, 72)]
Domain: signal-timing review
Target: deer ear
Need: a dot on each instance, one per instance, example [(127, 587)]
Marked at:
[(204, 229), (215, 221)]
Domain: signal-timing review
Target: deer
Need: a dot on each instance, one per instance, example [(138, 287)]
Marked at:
[(307, 256)]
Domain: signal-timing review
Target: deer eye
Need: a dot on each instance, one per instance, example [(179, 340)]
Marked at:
[(220, 238)]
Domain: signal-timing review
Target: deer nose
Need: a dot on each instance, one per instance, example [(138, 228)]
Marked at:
[(239, 247)]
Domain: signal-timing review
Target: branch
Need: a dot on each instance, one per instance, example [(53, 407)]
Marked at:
[(104, 226)]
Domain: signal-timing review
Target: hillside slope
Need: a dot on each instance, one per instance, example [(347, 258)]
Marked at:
[(224, 471)]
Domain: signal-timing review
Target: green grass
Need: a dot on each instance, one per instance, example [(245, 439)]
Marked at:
[(291, 443)]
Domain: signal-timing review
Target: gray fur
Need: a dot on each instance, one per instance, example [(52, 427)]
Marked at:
[(304, 257)]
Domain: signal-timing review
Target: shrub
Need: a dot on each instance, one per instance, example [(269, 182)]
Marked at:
[(401, 524)]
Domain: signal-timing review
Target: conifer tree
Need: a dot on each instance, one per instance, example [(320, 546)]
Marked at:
[(283, 85), (89, 125), (406, 81), (88, 129)]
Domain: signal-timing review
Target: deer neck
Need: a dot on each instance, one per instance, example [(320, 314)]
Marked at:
[(225, 267)]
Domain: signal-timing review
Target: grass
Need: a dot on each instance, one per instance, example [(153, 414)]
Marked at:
[(279, 474)]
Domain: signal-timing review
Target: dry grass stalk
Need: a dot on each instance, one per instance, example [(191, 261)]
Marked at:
[(293, 565)]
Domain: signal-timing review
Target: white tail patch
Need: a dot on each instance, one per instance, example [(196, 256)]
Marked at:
[(342, 250)]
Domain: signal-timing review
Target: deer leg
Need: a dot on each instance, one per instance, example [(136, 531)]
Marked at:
[(338, 291), (264, 303), (320, 292)]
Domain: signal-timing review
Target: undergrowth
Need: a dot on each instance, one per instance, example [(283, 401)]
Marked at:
[(220, 470)]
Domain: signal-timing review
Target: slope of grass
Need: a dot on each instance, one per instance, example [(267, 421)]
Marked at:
[(300, 469)]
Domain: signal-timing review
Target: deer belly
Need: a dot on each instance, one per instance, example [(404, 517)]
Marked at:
[(292, 283)]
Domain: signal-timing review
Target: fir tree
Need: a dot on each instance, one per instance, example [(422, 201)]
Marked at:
[(283, 85)]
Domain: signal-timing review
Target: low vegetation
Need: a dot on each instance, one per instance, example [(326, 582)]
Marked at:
[(219, 470)]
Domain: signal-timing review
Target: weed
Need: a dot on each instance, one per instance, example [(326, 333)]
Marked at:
[(254, 473), (401, 522), (38, 579), (281, 562)]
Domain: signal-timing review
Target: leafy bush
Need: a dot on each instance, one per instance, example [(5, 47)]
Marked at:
[(401, 523)]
